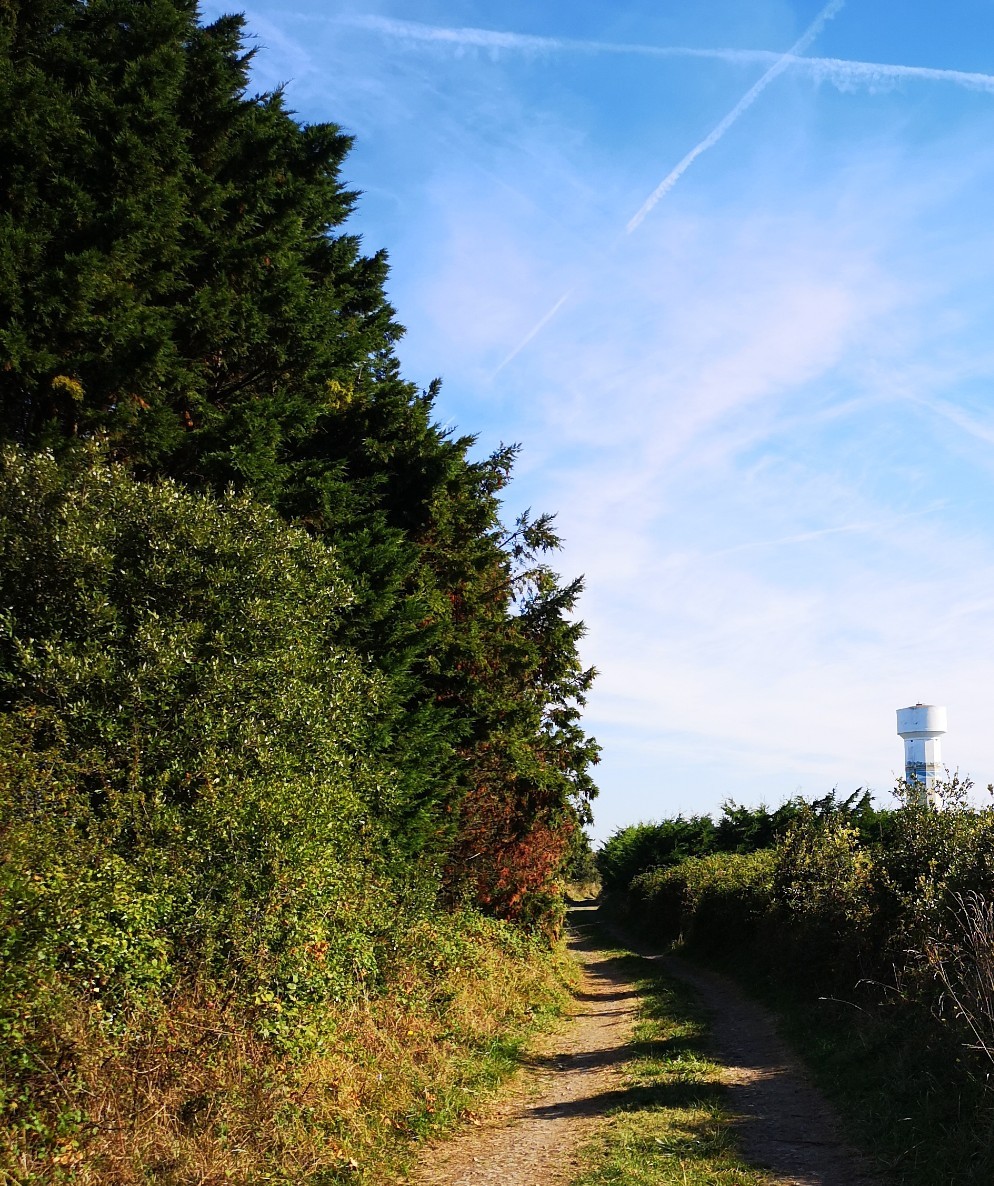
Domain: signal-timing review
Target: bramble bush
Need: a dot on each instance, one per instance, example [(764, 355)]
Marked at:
[(843, 892)]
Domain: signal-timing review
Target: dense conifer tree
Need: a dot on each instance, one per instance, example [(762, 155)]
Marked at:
[(176, 280)]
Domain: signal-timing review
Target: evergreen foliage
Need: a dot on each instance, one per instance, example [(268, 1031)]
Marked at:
[(176, 282)]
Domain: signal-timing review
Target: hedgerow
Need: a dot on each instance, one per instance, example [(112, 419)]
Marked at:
[(278, 686), (196, 869), (876, 935)]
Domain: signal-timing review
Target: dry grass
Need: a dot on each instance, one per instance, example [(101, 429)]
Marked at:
[(191, 1095)]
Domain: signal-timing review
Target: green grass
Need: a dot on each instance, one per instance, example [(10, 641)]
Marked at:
[(672, 1126)]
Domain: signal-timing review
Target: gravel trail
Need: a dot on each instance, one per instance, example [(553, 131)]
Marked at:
[(575, 1076), (533, 1133)]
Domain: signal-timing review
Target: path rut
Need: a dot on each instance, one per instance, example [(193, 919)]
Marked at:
[(576, 1076)]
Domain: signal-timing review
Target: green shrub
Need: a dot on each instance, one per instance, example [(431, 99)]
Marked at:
[(710, 903), (934, 857), (641, 848), (823, 891), (188, 761)]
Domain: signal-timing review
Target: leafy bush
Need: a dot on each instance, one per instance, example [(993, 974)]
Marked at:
[(822, 894), (189, 762), (709, 903), (202, 891)]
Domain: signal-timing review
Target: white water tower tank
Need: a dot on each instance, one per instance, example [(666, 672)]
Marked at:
[(921, 726)]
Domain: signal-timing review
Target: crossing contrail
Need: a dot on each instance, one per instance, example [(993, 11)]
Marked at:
[(841, 72), (711, 139), (536, 329), (747, 100)]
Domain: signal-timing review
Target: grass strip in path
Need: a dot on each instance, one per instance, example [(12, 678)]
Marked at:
[(672, 1126)]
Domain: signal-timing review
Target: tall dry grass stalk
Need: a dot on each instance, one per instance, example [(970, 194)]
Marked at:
[(962, 961)]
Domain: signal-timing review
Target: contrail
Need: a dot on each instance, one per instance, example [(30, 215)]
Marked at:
[(536, 329), (804, 537), (747, 100), (843, 72), (709, 141), (840, 71), (982, 432), (497, 39)]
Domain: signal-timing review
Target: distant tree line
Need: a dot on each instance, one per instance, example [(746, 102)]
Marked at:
[(647, 847)]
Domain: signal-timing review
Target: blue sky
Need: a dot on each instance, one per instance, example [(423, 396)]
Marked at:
[(736, 307)]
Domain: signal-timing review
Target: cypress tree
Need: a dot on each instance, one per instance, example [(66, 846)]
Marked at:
[(177, 280)]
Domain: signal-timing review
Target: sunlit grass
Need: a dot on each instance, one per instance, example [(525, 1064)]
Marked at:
[(672, 1125), (191, 1094)]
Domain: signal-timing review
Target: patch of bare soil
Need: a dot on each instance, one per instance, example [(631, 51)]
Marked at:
[(786, 1124), (575, 1077)]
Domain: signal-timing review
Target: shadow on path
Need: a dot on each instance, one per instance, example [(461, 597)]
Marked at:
[(784, 1122), (575, 1080)]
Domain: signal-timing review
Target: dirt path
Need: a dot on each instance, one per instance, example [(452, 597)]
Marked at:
[(576, 1077), (786, 1123), (532, 1135)]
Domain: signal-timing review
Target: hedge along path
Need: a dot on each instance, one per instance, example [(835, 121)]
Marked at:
[(576, 1076)]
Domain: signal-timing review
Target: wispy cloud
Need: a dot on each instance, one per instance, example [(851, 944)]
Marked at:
[(980, 430), (287, 57), (842, 72), (762, 417)]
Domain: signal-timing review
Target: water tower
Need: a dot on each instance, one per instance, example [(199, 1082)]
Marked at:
[(921, 726)]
